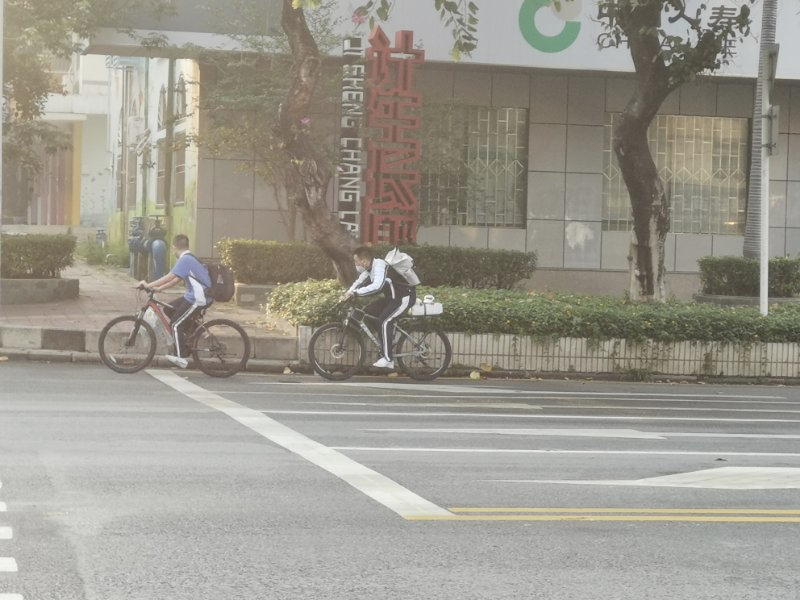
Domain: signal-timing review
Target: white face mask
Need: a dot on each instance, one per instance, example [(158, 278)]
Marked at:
[(360, 269)]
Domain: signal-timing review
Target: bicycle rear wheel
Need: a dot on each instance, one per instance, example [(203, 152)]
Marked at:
[(423, 353), (336, 352), (220, 348), (127, 345)]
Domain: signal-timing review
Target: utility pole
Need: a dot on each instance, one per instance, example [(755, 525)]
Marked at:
[(769, 146)]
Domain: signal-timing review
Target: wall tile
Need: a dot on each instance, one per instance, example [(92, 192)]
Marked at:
[(435, 236), (435, 85), (735, 100), (584, 197), (615, 249), (584, 149), (232, 224), (506, 238), (777, 202), (793, 155), (585, 104), (205, 183), (469, 237), (792, 204), (546, 238), (473, 87), (511, 90), (268, 225), (546, 192), (689, 247), (777, 241), (793, 242), (618, 92), (727, 245), (233, 188), (794, 111), (547, 147), (548, 99), (778, 162), (582, 245), (781, 96), (204, 234), (698, 99)]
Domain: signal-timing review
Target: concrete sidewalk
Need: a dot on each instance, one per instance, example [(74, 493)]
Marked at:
[(68, 330)]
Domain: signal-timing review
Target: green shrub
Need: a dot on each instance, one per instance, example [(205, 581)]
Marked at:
[(561, 315), (118, 256), (93, 253), (261, 262), (738, 276), (35, 256)]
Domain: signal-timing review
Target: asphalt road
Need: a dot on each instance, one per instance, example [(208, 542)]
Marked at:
[(171, 485)]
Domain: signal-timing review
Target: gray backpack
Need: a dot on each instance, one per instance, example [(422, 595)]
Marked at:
[(403, 264)]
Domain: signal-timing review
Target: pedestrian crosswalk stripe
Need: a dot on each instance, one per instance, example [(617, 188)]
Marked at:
[(8, 564), (6, 533)]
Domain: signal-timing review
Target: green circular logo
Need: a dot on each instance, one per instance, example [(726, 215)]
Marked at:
[(546, 43)]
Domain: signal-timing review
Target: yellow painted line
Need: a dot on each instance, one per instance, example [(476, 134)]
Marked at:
[(702, 511), (695, 519)]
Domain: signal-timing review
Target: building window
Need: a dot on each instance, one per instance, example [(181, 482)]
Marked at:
[(162, 108), (130, 175), (179, 169), (180, 98), (703, 162), (474, 166), (161, 173)]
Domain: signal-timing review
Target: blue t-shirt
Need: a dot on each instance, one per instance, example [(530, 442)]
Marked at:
[(195, 276)]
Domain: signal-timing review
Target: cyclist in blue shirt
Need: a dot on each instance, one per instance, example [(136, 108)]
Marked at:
[(195, 275)]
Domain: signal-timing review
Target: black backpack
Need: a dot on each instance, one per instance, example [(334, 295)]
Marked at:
[(222, 283)]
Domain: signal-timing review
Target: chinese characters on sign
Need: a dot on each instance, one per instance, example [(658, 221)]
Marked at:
[(350, 141), (391, 204)]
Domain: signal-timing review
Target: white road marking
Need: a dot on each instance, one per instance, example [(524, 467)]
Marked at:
[(475, 389), (521, 396), (378, 413), (424, 387), (12, 597), (6, 533), (3, 507), (723, 478), (717, 453), (507, 405), (617, 433), (666, 408), (8, 565), (595, 433), (371, 483)]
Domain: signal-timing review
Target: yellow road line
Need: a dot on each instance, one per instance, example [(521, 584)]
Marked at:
[(587, 517), (701, 511)]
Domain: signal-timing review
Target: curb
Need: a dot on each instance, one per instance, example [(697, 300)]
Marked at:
[(297, 367)]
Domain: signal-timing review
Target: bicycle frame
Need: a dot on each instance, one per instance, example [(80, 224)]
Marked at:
[(357, 316)]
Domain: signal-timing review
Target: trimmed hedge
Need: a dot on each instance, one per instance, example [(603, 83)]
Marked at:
[(738, 276), (561, 315), (35, 256), (261, 262)]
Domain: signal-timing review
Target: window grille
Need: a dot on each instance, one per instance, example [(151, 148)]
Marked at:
[(475, 166), (703, 162)]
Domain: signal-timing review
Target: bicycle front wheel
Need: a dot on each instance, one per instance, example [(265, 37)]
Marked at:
[(336, 352), (423, 354), (127, 345), (220, 348)]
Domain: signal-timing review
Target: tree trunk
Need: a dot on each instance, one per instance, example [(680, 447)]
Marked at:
[(649, 202), (752, 234), (307, 191)]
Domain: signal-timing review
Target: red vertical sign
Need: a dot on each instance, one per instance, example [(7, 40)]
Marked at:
[(391, 205)]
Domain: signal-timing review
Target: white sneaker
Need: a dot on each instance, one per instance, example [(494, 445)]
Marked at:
[(382, 363), (178, 361)]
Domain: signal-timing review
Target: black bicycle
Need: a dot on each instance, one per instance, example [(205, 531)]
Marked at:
[(337, 350), (219, 347)]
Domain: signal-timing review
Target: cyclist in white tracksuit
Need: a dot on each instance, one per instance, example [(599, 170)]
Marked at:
[(399, 296)]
